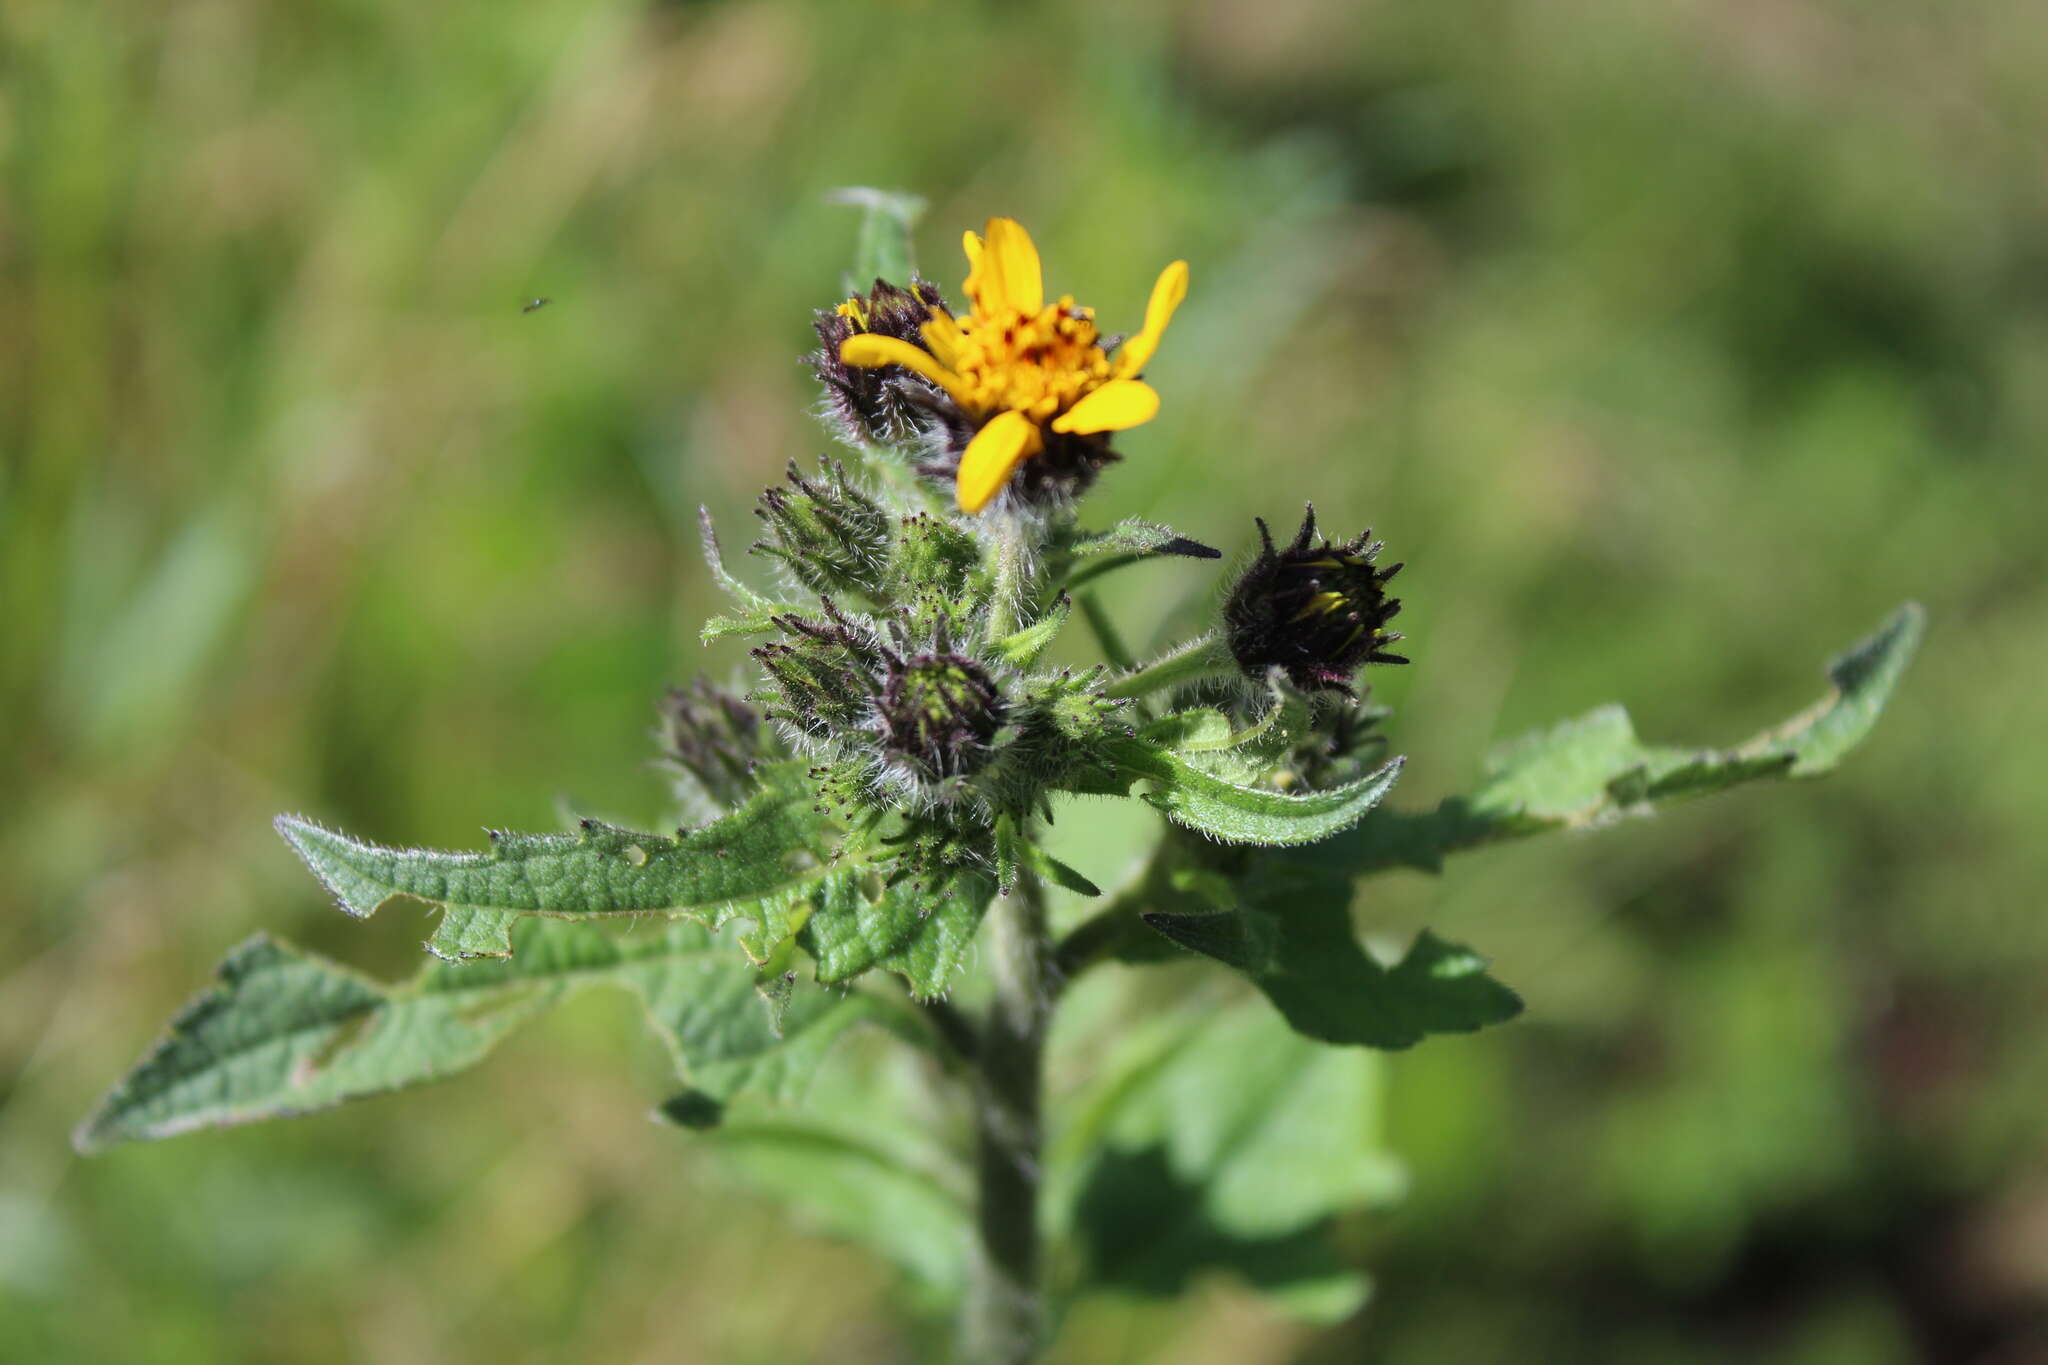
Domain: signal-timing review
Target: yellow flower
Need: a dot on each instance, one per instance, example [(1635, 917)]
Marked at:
[(1022, 368)]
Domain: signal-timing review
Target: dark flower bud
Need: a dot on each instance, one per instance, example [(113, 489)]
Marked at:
[(875, 406), (940, 712), (821, 675), (833, 537), (1315, 610), (711, 738)]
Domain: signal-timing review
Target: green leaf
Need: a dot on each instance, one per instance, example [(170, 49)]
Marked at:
[(1023, 648), (919, 929), (1310, 966), (757, 613), (1592, 771), (1126, 543), (1252, 756), (868, 1159), (1224, 1143), (1134, 537), (764, 861), (1211, 805), (714, 559), (1060, 874), (752, 621), (287, 1033), (884, 250)]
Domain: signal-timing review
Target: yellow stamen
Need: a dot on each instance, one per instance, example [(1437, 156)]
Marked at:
[(1322, 604), (942, 334)]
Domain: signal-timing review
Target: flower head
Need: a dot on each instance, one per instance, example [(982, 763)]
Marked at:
[(940, 712), (865, 404), (1315, 610), (1031, 379)]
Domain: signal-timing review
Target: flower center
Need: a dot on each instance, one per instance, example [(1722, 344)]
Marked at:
[(1039, 364)]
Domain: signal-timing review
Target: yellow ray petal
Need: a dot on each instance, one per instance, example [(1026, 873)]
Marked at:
[(1012, 275), (1116, 405), (970, 242), (1167, 293), (942, 334), (992, 456), (871, 352)]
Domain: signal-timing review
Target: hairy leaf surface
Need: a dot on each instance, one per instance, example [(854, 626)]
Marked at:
[(1593, 770), (1212, 805), (286, 1032), (920, 929), (763, 861)]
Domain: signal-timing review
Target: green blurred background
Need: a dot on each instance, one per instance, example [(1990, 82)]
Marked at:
[(1670, 345)]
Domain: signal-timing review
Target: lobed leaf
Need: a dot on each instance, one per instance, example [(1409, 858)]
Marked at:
[(763, 861), (919, 929), (285, 1032), (1592, 771), (883, 250), (1307, 962)]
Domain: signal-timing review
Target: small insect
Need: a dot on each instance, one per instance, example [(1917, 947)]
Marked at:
[(534, 305)]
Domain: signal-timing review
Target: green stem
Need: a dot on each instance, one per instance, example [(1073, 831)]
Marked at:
[(1092, 940), (1116, 923), (1012, 573), (1107, 636), (1006, 1315), (1205, 656)]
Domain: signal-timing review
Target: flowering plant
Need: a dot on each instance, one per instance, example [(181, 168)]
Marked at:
[(870, 816)]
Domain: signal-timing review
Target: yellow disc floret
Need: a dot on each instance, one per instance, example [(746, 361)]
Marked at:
[(1022, 368)]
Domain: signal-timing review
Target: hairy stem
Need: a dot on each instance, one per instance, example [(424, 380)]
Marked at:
[(1013, 581), (1203, 657), (1005, 1317)]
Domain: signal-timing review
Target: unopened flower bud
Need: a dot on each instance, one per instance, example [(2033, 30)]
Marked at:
[(822, 673), (940, 712), (712, 738), (833, 537), (1315, 610)]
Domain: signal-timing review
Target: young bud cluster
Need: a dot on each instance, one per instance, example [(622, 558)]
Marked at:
[(1316, 611), (912, 707)]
